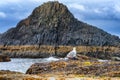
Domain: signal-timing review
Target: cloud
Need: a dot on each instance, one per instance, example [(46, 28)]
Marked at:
[(117, 8), (2, 15), (77, 6), (8, 2), (97, 11), (20, 17)]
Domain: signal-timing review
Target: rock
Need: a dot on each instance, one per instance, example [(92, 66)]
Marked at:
[(4, 58), (6, 75), (83, 57), (74, 67), (11, 75), (8, 72), (116, 58), (53, 24)]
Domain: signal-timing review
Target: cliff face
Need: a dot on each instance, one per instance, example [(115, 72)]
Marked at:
[(53, 24)]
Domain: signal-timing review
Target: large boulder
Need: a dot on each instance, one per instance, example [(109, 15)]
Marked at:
[(4, 58)]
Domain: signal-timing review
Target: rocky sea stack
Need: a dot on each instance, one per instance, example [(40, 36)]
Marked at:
[(51, 29), (52, 23)]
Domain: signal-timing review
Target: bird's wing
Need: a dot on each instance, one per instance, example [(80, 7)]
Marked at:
[(70, 54)]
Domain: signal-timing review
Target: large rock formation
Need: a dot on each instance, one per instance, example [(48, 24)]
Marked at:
[(53, 24)]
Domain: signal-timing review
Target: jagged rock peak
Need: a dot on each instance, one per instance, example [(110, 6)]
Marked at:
[(50, 12), (51, 9)]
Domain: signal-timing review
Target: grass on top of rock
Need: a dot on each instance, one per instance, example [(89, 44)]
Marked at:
[(50, 49)]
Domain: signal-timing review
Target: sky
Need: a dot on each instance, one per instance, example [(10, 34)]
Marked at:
[(105, 14)]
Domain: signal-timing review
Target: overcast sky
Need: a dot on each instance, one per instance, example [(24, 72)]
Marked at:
[(104, 14)]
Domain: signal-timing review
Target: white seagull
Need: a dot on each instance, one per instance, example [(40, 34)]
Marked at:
[(72, 54)]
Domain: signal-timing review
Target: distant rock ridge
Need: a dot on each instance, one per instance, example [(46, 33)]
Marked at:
[(52, 23)]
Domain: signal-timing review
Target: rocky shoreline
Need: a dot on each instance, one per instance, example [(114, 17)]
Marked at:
[(84, 68), (10, 75), (52, 30), (76, 67), (67, 70)]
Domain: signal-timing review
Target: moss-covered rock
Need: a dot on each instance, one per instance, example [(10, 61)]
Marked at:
[(74, 67)]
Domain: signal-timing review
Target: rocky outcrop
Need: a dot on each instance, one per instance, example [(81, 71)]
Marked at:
[(75, 67), (4, 58), (53, 24), (12, 75)]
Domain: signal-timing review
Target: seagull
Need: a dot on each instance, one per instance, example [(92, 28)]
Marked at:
[(72, 54)]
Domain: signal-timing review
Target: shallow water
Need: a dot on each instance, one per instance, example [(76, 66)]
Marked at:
[(22, 64)]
